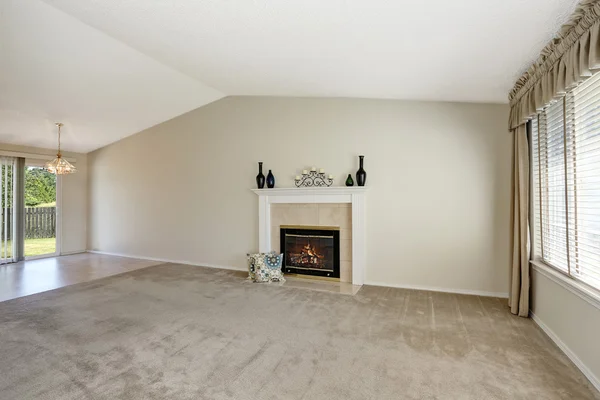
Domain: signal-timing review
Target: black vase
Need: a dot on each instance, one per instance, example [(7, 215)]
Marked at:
[(260, 178), (361, 174), (349, 180), (270, 180)]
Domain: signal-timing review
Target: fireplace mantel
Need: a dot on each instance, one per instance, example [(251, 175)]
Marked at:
[(353, 195)]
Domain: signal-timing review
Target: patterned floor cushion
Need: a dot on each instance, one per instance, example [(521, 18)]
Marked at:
[(265, 267)]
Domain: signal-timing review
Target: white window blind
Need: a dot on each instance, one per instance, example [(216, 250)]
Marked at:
[(583, 177), (566, 183), (7, 171), (553, 192)]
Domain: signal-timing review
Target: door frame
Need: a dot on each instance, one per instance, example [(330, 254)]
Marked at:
[(41, 163)]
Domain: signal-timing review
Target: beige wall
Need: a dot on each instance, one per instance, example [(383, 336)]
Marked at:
[(572, 320), (74, 198), (439, 175)]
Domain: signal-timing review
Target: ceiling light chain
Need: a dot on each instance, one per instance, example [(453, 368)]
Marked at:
[(59, 124)]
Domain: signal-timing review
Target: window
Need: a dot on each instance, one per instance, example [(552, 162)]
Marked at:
[(566, 183)]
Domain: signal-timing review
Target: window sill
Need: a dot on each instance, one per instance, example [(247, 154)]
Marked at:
[(579, 289)]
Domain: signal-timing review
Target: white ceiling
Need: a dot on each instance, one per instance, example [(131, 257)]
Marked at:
[(109, 68), (56, 68)]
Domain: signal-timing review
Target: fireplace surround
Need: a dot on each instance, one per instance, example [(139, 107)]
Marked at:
[(355, 197)]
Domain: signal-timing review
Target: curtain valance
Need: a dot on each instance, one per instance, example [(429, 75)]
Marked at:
[(571, 57)]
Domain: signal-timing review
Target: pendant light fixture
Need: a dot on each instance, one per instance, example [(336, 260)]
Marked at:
[(59, 165)]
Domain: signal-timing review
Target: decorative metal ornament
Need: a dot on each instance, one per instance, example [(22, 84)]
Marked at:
[(59, 165), (313, 178)]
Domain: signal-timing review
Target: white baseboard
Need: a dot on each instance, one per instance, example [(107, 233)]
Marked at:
[(438, 289), (70, 253), (168, 261), (568, 352)]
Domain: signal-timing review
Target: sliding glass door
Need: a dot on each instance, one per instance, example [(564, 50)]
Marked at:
[(7, 222), (29, 221)]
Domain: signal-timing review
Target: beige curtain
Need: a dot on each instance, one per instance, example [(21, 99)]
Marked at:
[(519, 272), (573, 56)]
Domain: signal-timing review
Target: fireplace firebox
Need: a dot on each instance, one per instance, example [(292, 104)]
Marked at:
[(311, 250)]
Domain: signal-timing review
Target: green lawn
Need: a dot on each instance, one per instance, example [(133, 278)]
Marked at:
[(34, 247), (37, 247)]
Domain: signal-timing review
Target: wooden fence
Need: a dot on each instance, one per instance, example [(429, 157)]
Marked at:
[(40, 222)]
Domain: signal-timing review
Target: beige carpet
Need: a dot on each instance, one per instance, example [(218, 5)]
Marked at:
[(182, 332)]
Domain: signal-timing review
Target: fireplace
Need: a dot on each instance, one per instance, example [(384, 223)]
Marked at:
[(311, 250)]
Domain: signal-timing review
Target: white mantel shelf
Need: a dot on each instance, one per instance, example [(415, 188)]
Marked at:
[(311, 195), (353, 195), (311, 190)]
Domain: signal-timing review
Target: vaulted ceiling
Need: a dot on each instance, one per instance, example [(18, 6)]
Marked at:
[(110, 68)]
